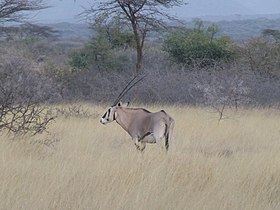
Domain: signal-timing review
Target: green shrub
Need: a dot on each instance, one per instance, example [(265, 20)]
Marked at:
[(115, 32), (275, 34), (105, 51), (198, 45), (99, 53)]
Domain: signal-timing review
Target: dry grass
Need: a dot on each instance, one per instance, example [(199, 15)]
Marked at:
[(234, 164)]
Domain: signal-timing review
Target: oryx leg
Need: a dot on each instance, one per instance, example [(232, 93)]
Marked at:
[(159, 134), (142, 146), (139, 145)]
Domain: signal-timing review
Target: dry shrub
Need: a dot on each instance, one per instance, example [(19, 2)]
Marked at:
[(74, 110), (23, 90)]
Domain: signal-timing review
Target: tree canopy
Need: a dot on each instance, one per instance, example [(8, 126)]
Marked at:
[(140, 16)]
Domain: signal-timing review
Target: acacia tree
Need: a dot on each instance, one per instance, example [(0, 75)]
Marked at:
[(141, 16), (15, 10)]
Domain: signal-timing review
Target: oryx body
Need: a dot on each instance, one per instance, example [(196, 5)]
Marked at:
[(140, 123)]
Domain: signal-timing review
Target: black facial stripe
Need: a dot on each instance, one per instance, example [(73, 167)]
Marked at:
[(104, 115), (109, 111), (114, 117)]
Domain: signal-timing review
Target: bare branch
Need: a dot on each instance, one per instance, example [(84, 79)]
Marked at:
[(15, 11), (22, 118)]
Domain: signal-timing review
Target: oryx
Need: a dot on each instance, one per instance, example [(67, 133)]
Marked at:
[(140, 123)]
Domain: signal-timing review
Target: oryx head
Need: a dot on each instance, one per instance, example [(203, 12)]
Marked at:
[(110, 115)]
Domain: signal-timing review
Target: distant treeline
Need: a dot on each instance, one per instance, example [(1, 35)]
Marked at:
[(236, 29)]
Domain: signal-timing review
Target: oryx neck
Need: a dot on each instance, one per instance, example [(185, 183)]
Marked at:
[(123, 117)]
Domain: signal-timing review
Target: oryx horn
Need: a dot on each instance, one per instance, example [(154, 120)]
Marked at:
[(128, 87)]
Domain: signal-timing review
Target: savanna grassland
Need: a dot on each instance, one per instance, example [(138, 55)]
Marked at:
[(50, 81), (231, 164)]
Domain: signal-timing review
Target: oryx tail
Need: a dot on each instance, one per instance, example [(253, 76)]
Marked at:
[(169, 132)]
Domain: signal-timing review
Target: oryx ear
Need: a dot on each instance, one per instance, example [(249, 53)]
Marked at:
[(126, 104), (123, 104)]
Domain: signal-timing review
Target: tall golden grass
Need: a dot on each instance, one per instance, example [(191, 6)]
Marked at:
[(231, 164)]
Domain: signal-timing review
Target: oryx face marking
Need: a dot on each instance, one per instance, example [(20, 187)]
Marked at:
[(109, 116)]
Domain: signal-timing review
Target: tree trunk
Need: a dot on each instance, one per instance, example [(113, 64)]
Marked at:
[(139, 59), (139, 46)]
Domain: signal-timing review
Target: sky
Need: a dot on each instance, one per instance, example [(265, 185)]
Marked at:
[(68, 10)]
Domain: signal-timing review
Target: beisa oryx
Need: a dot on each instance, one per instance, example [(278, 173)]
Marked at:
[(142, 125)]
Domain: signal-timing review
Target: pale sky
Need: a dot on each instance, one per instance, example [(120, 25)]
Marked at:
[(67, 10)]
